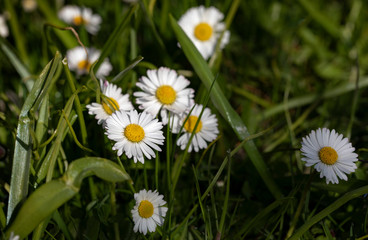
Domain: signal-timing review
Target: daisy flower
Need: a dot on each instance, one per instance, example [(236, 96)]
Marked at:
[(135, 134), (206, 130), (204, 27), (331, 154), (148, 211), (164, 90), (4, 31), (78, 16), (78, 61), (113, 100)]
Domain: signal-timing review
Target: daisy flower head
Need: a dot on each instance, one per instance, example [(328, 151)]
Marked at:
[(206, 130), (164, 90), (81, 63), (331, 154), (4, 31), (135, 134), (204, 27), (112, 101), (78, 16), (148, 211)]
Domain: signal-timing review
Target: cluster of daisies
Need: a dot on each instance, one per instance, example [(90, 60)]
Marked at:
[(203, 26), (164, 98)]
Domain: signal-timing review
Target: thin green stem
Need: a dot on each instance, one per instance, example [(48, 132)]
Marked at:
[(300, 206), (113, 210)]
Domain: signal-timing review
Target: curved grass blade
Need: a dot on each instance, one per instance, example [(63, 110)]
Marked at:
[(127, 69), (109, 45), (23, 144), (223, 106), (328, 210), (50, 196), (17, 64)]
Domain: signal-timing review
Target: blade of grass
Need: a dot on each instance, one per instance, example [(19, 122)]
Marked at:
[(223, 106), (226, 201), (71, 81), (67, 38), (23, 144), (123, 73), (110, 43), (18, 65), (355, 100), (17, 31), (216, 177), (310, 98), (328, 210), (321, 18)]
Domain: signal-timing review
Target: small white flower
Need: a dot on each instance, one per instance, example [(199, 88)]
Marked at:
[(135, 134), (164, 90), (13, 236), (78, 62), (4, 31), (78, 16), (148, 211), (204, 27), (113, 100), (206, 130), (330, 154), (29, 5)]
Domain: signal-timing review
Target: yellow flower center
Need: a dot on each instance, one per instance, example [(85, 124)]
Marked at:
[(166, 94), (78, 20), (110, 105), (203, 31), (328, 155), (84, 65), (134, 132), (190, 124), (145, 209)]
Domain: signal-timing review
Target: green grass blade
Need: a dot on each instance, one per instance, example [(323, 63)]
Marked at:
[(17, 64), (226, 201), (223, 106), (110, 43), (78, 107), (47, 166), (17, 31), (46, 199), (23, 146), (310, 98), (321, 18), (127, 69), (328, 210), (66, 37)]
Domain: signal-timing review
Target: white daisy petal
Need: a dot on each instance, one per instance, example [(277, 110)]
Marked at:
[(148, 211), (164, 90), (78, 61), (113, 100), (206, 130), (134, 139), (330, 153)]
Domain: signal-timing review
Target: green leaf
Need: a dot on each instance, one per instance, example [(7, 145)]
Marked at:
[(223, 106), (50, 196)]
